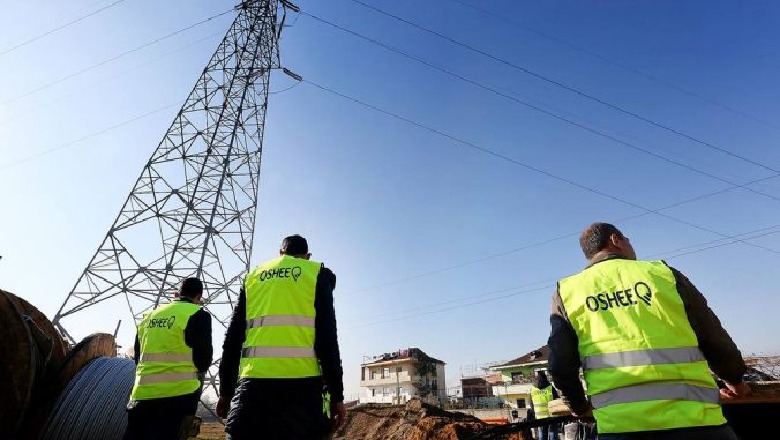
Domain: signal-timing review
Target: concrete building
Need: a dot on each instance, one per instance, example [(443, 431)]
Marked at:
[(398, 376), (517, 376), (476, 385)]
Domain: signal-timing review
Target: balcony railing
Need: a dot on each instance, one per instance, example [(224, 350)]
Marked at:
[(514, 388), (392, 380)]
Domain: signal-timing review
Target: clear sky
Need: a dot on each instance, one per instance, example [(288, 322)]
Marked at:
[(448, 246)]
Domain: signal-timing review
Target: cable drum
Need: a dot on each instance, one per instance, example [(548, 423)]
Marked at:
[(92, 407)]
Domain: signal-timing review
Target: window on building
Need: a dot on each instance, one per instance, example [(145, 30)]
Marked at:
[(521, 403), (518, 376), (385, 391), (375, 374), (373, 392), (386, 373)]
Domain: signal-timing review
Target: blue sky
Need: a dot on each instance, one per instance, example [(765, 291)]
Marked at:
[(436, 244)]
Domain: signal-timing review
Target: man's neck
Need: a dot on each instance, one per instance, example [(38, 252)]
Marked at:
[(605, 255)]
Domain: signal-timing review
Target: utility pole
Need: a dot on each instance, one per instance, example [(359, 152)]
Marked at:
[(398, 383)]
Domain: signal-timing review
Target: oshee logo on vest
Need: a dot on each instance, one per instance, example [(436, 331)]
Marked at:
[(620, 298), (281, 272), (161, 322)]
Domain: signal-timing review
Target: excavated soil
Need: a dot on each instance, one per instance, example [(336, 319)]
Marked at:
[(414, 421)]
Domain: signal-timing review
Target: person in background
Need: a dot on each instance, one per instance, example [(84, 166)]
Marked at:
[(542, 392)]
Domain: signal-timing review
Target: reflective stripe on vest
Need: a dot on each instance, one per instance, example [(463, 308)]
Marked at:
[(278, 352), (540, 398), (280, 318), (166, 377), (642, 365), (643, 393), (659, 356), (165, 357), (165, 367)]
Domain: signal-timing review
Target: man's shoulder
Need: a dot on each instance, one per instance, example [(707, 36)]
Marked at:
[(327, 274), (202, 315)]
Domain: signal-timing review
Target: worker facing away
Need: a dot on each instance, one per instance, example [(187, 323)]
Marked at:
[(281, 350), (542, 392), (173, 352), (646, 342)]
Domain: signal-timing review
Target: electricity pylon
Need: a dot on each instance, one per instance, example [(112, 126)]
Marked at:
[(192, 210)]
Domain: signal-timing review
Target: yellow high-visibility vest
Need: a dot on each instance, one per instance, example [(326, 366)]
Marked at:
[(640, 357), (280, 318), (165, 368), (540, 398)]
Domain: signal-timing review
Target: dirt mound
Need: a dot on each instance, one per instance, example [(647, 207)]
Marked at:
[(414, 421)]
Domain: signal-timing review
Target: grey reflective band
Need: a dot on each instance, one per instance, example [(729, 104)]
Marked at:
[(643, 357), (278, 352), (643, 393), (276, 320), (165, 357), (166, 377)]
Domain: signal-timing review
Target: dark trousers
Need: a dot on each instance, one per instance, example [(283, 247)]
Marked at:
[(159, 419), (723, 432), (547, 432), (274, 409)]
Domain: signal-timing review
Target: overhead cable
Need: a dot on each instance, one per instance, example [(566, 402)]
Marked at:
[(569, 88), (541, 110), (89, 136), (17, 113), (59, 28), (115, 57), (487, 297), (575, 47), (527, 166), (543, 242)]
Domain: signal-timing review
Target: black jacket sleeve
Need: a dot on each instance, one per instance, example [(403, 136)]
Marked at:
[(564, 361), (326, 344), (197, 335), (136, 349), (722, 354), (231, 348)]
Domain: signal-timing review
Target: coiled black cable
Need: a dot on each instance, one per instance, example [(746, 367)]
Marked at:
[(92, 406)]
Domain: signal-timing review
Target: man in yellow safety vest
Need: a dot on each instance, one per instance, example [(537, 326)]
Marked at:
[(646, 341), (542, 392), (172, 352), (281, 351)]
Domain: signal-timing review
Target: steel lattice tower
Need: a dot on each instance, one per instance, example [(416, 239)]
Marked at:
[(192, 210)]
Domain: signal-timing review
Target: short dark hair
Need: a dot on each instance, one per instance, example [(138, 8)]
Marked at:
[(191, 288), (295, 245), (596, 237)]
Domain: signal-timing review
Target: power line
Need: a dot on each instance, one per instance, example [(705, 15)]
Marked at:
[(539, 109), (114, 58), (482, 300), (603, 58), (107, 78), (479, 295), (59, 28), (544, 242), (89, 136), (487, 151), (567, 87)]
